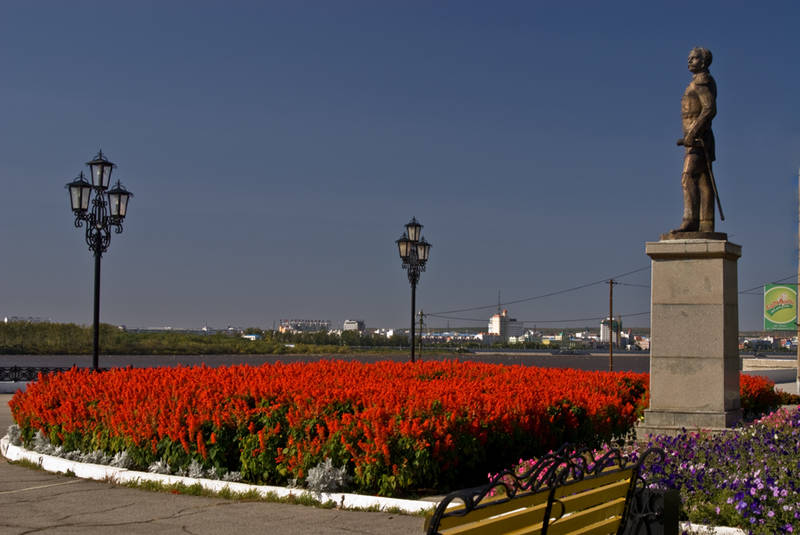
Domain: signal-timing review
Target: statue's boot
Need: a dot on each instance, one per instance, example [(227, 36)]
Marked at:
[(706, 225), (690, 205), (687, 225)]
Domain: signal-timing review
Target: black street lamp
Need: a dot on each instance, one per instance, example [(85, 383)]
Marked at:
[(109, 207), (414, 252)]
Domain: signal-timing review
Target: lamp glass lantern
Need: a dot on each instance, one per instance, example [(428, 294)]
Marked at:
[(404, 247), (101, 171), (413, 229), (118, 198), (79, 192), (423, 250)]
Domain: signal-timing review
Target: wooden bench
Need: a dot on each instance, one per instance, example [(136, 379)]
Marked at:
[(566, 492)]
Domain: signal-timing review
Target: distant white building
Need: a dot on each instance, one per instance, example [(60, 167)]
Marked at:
[(26, 319), (448, 336), (505, 327), (613, 334), (354, 325), (300, 326), (496, 325), (388, 333)]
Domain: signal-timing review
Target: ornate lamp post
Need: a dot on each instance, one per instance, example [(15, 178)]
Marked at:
[(108, 210), (414, 252)]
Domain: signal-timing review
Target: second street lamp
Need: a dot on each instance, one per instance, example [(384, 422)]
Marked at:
[(108, 210), (414, 251)]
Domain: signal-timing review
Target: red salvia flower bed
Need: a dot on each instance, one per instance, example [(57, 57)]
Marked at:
[(398, 427)]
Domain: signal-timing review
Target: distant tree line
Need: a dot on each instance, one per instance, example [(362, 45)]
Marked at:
[(71, 339)]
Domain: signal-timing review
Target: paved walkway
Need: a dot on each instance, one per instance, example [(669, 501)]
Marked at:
[(32, 501)]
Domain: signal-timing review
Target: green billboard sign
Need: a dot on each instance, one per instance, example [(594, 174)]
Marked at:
[(780, 307)]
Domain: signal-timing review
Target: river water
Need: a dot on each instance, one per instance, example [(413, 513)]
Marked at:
[(636, 362)]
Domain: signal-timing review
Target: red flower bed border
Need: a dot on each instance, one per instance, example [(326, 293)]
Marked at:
[(398, 427)]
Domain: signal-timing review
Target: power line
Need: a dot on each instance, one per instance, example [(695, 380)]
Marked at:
[(755, 290), (633, 285), (587, 319), (444, 314), (549, 294), (761, 286), (456, 318), (576, 320)]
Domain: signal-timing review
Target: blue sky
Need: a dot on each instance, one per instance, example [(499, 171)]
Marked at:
[(276, 149)]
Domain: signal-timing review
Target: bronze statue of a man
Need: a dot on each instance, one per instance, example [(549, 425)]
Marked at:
[(698, 108)]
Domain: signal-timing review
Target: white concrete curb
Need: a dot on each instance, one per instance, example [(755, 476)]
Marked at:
[(101, 472), (700, 529)]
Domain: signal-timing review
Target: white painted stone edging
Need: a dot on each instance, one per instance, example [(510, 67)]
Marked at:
[(114, 474), (700, 529)]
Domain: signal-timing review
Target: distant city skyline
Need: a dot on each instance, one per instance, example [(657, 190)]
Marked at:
[(275, 151)]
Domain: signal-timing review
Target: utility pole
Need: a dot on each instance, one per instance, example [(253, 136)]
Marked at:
[(611, 325), (797, 286)]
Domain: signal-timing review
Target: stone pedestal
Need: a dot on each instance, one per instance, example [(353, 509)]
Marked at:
[(694, 330)]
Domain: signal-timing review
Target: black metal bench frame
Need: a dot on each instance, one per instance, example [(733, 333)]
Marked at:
[(647, 510)]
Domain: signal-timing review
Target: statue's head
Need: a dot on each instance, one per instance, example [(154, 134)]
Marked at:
[(699, 59)]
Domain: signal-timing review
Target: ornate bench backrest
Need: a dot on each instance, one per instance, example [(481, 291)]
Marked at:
[(561, 492)]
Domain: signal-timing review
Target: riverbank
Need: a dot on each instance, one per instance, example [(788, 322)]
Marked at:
[(781, 371)]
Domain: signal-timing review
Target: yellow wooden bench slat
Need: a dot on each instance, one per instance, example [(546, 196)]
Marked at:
[(528, 530), (604, 527), (573, 486), (509, 521), (612, 510), (593, 497), (525, 500)]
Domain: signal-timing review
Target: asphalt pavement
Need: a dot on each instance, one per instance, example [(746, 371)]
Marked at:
[(33, 501)]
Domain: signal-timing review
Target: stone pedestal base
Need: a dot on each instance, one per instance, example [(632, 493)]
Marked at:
[(694, 349), (674, 422)]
